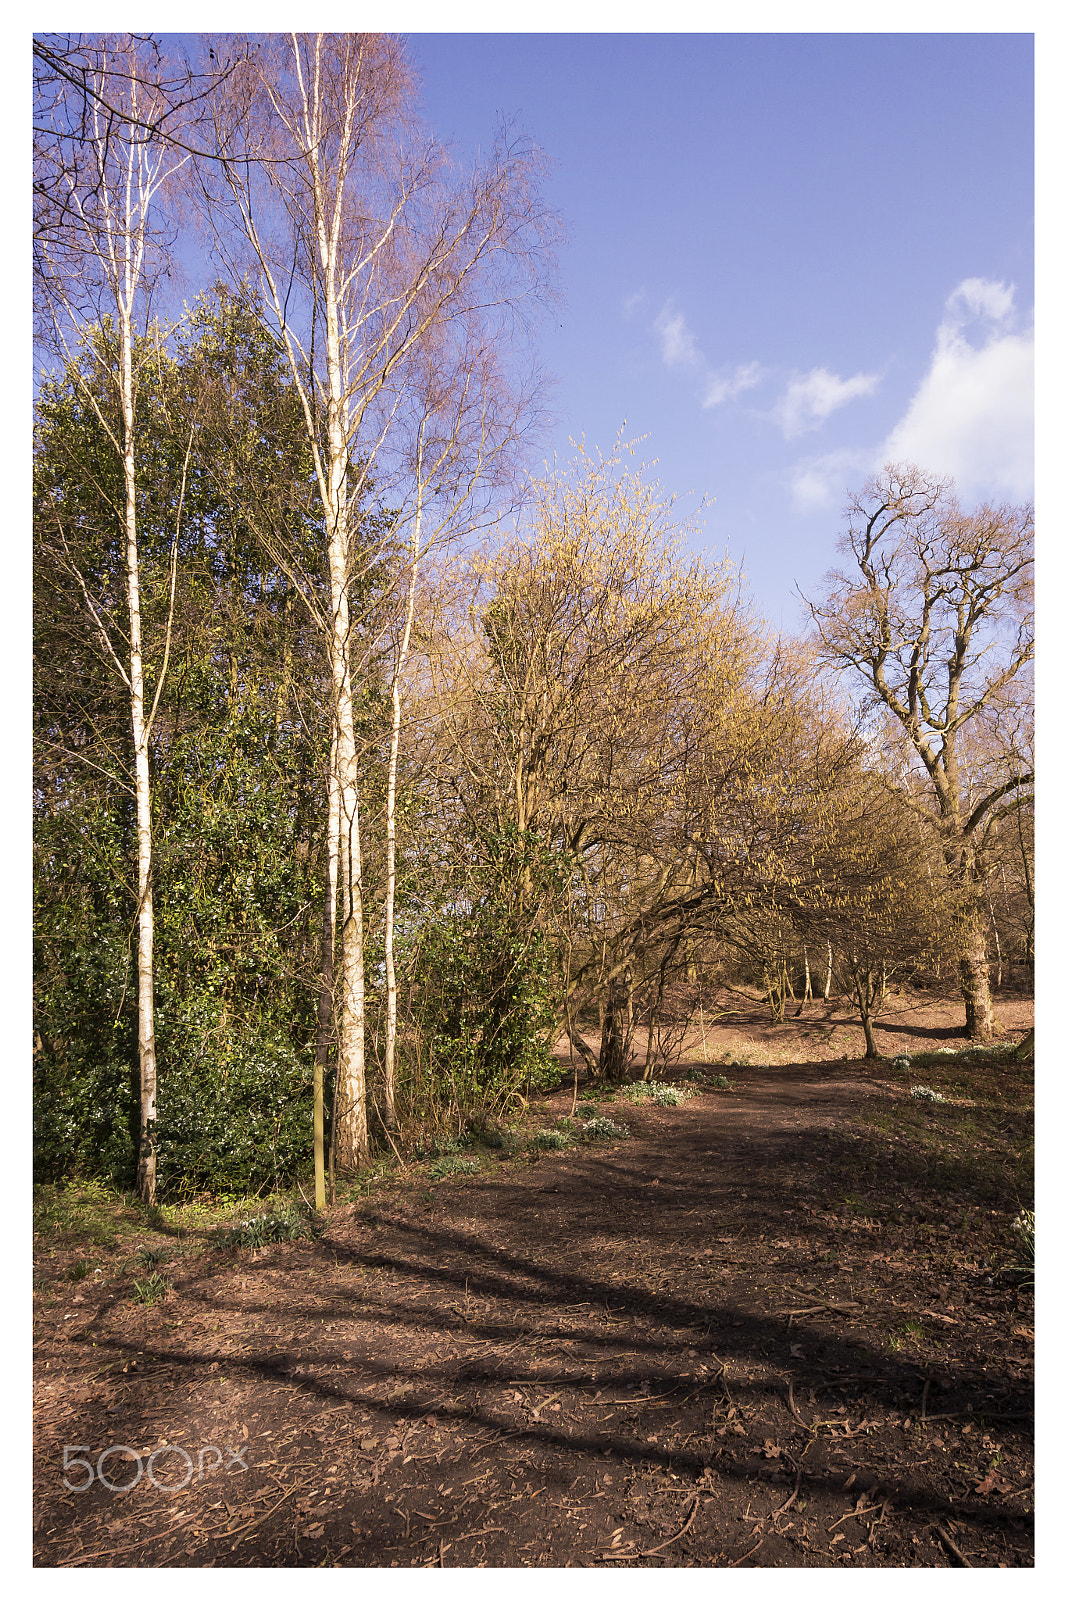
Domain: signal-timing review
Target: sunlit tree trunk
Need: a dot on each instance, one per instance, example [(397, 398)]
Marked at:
[(390, 810), (974, 982), (325, 1006), (865, 995), (146, 1021)]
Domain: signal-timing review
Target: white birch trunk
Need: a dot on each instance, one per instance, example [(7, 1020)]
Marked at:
[(390, 815), (146, 1026), (325, 1015)]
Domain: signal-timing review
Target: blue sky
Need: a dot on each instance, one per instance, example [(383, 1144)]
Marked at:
[(790, 258)]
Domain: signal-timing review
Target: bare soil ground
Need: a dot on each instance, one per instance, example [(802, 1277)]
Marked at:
[(771, 1327)]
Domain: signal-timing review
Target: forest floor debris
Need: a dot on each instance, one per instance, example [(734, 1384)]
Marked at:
[(782, 1324)]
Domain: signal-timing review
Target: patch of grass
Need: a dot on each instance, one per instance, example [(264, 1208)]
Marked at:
[(281, 1225), (453, 1166), (909, 1333), (78, 1270), (150, 1255), (84, 1211), (149, 1291), (719, 1082)]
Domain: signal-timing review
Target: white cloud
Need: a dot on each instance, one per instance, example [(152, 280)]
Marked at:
[(813, 396), (631, 303), (980, 297), (679, 348), (972, 415), (722, 388), (819, 483), (677, 344)]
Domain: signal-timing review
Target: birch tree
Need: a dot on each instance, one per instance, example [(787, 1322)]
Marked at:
[(101, 173), (365, 242), (935, 616)]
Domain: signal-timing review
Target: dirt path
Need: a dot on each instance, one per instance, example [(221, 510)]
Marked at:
[(611, 1354)]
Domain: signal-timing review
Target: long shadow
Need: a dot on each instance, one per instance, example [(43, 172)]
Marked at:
[(444, 1265), (921, 1033), (607, 1446)]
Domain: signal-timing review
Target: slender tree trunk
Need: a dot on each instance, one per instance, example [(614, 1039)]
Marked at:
[(806, 996), (775, 993), (351, 1136), (829, 970), (325, 1012), (996, 936), (648, 1073), (390, 815), (146, 1027), (351, 1139), (866, 988)]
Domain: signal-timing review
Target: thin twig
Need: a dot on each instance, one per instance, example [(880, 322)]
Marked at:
[(793, 1406), (746, 1555), (796, 1489), (827, 1305), (864, 1511), (926, 1392), (685, 1526), (951, 1546), (265, 1517)]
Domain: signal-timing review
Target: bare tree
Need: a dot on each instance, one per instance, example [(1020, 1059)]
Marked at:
[(936, 617), (366, 243), (98, 257)]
